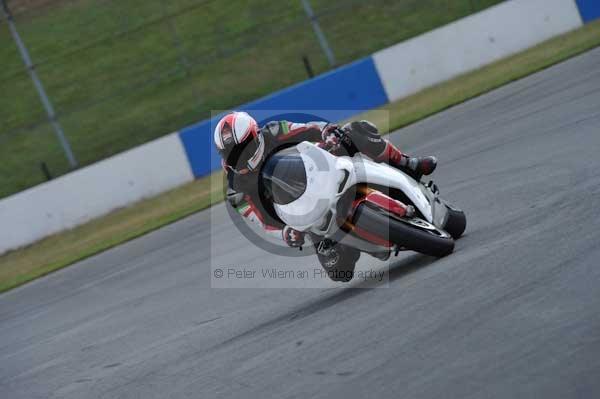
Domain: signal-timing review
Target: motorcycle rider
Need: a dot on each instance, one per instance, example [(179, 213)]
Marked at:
[(244, 146)]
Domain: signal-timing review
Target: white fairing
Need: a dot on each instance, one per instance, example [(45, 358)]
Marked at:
[(325, 173), (372, 172)]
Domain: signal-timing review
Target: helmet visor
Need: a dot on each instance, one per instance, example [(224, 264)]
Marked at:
[(246, 157)]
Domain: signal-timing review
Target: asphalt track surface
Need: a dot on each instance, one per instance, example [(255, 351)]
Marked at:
[(514, 312)]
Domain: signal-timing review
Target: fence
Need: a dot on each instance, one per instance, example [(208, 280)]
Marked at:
[(122, 72)]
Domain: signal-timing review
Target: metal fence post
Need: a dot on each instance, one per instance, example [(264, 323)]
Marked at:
[(38, 85), (320, 35)]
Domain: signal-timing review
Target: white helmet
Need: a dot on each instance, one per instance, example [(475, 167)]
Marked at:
[(239, 142)]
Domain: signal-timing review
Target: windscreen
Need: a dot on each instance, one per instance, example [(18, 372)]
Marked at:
[(283, 177)]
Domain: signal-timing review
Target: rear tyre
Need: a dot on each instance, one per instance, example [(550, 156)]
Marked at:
[(456, 223), (414, 234)]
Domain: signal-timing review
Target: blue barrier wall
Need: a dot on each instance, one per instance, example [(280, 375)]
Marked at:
[(589, 9), (333, 96)]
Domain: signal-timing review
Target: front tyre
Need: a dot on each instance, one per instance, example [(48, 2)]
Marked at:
[(456, 222), (410, 233)]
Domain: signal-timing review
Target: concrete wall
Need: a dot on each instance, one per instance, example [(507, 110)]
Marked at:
[(472, 42), (93, 191)]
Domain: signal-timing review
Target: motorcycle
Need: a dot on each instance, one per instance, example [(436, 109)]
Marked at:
[(356, 203)]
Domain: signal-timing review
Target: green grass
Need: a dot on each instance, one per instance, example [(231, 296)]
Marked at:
[(60, 250), (121, 73)]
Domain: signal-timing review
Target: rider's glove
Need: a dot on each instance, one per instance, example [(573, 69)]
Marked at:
[(293, 237), (329, 138)]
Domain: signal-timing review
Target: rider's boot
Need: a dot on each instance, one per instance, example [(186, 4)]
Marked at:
[(338, 260), (416, 167)]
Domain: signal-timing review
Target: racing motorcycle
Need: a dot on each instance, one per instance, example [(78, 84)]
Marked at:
[(368, 206)]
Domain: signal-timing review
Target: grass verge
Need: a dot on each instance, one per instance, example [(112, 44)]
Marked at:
[(63, 249)]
